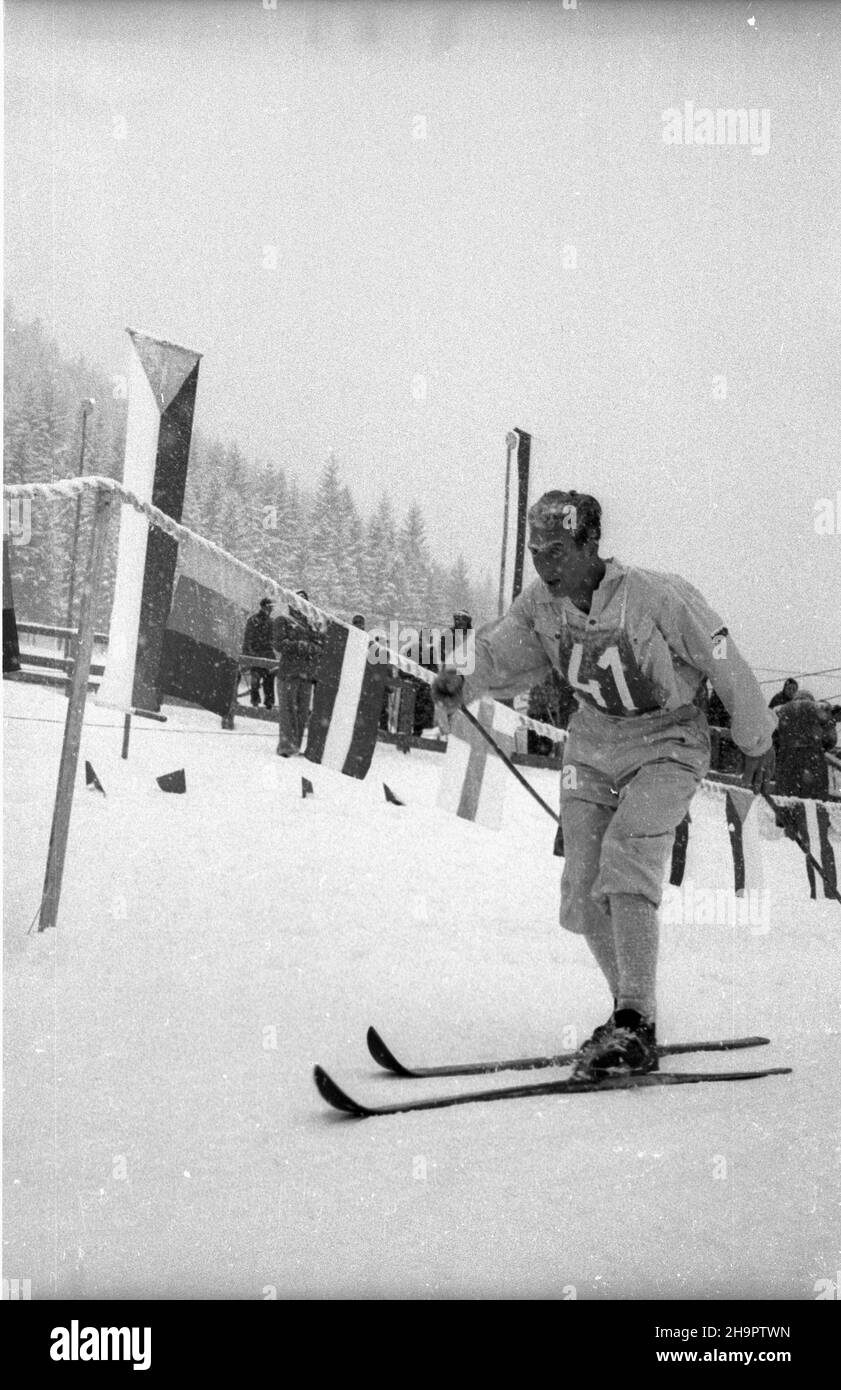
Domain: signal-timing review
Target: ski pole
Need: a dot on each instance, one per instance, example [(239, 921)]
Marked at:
[(508, 763), (782, 820)]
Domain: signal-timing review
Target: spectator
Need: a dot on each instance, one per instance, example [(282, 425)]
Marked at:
[(424, 714), (724, 755), (258, 642), (452, 644), (358, 620), (805, 732), (298, 644), (788, 692)]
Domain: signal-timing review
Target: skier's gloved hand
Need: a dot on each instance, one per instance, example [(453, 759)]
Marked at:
[(758, 770), (447, 688)]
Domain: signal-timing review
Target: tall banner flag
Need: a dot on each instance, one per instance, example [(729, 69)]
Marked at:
[(11, 646), (474, 780), (536, 464), (204, 632), (349, 695), (518, 443), (533, 467), (162, 395)]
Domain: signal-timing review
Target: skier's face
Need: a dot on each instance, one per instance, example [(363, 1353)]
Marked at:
[(562, 565)]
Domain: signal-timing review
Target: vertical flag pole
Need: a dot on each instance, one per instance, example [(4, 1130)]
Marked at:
[(126, 735), (510, 445), (77, 695)]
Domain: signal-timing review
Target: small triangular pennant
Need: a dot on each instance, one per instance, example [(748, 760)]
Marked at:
[(172, 781), (92, 782), (389, 796), (307, 788)]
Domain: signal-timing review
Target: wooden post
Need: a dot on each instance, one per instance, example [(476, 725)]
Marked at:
[(228, 719), (405, 715), (126, 735), (510, 442), (75, 716)]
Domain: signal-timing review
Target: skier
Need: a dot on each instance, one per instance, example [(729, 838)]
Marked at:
[(636, 646)]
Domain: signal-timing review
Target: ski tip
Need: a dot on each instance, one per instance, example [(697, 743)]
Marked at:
[(334, 1095), (383, 1055)]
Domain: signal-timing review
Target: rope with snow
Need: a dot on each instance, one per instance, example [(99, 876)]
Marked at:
[(72, 487)]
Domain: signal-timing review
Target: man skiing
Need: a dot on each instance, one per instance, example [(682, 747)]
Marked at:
[(636, 647)]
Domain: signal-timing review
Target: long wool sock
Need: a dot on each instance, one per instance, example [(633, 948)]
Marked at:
[(602, 946), (636, 938)]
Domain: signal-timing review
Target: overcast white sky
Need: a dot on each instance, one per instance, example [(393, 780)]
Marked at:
[(155, 150)]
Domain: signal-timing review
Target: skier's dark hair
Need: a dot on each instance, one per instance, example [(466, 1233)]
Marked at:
[(547, 513)]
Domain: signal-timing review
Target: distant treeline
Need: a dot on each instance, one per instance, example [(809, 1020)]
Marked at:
[(259, 511)]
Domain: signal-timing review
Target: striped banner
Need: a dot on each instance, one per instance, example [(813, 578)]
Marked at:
[(742, 811), (162, 393), (204, 633), (814, 828), (349, 694)]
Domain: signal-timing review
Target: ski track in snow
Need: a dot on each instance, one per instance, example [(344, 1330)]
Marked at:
[(163, 1136)]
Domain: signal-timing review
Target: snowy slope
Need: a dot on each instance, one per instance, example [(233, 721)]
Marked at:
[(162, 1134)]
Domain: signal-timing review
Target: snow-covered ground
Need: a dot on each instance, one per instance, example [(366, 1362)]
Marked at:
[(163, 1137)]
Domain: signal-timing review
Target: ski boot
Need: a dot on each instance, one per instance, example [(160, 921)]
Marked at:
[(628, 1043), (595, 1040)]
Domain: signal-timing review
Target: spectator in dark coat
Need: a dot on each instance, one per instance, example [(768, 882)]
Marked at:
[(298, 644), (258, 642), (788, 692), (805, 732)]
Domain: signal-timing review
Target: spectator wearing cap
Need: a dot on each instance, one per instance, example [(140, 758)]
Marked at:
[(805, 732), (788, 692), (258, 642), (298, 643)]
